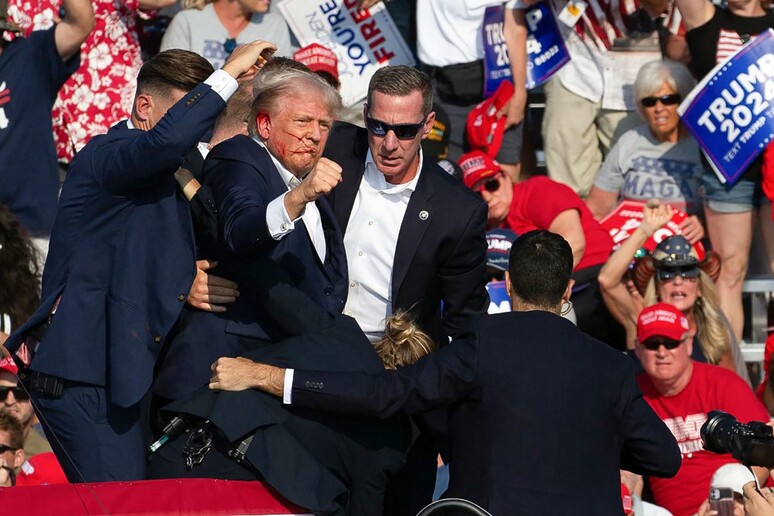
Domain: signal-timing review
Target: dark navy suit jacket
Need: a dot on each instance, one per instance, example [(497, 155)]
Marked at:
[(441, 248), (244, 180), (543, 415), (121, 254)]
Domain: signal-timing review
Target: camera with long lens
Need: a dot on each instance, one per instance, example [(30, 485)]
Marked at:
[(752, 444)]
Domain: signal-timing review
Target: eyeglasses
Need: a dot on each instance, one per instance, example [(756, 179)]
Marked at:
[(229, 45), (653, 343), (490, 185), (690, 273), (4, 448), (18, 393), (667, 100), (402, 131)]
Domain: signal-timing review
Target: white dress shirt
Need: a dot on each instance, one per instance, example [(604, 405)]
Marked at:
[(370, 241), (277, 218)]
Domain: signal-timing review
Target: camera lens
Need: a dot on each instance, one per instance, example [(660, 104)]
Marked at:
[(717, 430)]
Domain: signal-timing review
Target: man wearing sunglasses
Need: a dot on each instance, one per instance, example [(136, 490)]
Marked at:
[(414, 236), (15, 401), (682, 392), (11, 452)]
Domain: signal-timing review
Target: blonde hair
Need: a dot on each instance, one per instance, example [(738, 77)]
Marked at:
[(712, 333), (195, 4), (403, 342)]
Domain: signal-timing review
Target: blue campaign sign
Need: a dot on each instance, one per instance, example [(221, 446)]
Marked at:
[(546, 51), (545, 45), (497, 66), (730, 112), (499, 301)]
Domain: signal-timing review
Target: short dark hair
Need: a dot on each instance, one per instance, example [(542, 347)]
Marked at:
[(173, 69), (540, 267), (10, 424), (401, 80)]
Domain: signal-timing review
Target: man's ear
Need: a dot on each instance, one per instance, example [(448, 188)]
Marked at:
[(263, 125), (428, 124), (568, 290), (18, 458), (142, 106)]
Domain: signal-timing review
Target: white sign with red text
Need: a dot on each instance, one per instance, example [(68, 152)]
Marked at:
[(363, 40)]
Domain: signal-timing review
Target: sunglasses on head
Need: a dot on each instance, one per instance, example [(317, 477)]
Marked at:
[(653, 343), (668, 273), (402, 131), (4, 448), (667, 100), (18, 393)]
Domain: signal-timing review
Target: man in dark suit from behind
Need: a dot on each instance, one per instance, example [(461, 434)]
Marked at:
[(414, 238), (120, 267), (542, 415)]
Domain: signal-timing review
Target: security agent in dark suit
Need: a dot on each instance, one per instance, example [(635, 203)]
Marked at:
[(542, 414), (270, 193), (120, 267), (327, 463), (414, 238)]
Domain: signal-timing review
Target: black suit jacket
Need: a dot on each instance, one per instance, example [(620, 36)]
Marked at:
[(243, 181), (121, 254), (441, 249), (543, 415), (324, 462)]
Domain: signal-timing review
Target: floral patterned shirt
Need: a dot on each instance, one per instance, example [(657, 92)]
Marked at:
[(101, 92)]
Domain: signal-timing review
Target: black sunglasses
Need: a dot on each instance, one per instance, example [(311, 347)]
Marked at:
[(229, 45), (18, 393), (667, 100), (668, 273), (402, 131), (491, 185), (653, 343), (4, 448)]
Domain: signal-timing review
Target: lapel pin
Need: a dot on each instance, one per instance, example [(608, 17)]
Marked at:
[(423, 215)]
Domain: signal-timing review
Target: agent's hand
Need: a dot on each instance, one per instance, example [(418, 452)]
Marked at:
[(248, 58), (208, 291)]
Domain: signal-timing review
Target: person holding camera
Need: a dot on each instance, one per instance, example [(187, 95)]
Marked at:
[(682, 392)]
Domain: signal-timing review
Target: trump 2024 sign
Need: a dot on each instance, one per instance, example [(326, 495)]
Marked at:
[(731, 111)]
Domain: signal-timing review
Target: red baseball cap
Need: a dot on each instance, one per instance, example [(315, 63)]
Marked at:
[(661, 320), (477, 166), (41, 469), (319, 59), (484, 130), (8, 365)]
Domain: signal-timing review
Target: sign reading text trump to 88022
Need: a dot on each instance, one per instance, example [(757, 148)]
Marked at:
[(363, 40), (731, 111)]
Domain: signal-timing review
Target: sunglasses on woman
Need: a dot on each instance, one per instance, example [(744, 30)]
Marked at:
[(18, 393), (490, 185), (402, 131), (653, 343), (669, 273), (667, 100)]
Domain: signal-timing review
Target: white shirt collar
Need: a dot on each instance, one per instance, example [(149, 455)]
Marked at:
[(377, 181)]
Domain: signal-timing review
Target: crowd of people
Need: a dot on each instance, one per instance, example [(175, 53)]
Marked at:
[(269, 285)]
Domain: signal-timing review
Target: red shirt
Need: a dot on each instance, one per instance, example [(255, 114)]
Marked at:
[(710, 388), (539, 200)]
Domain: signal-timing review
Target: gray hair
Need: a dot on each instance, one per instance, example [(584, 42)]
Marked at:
[(654, 74), (270, 90), (401, 80)]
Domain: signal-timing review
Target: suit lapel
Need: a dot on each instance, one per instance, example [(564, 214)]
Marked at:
[(419, 214)]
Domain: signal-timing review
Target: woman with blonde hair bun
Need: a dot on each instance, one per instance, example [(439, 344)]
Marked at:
[(403, 342)]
